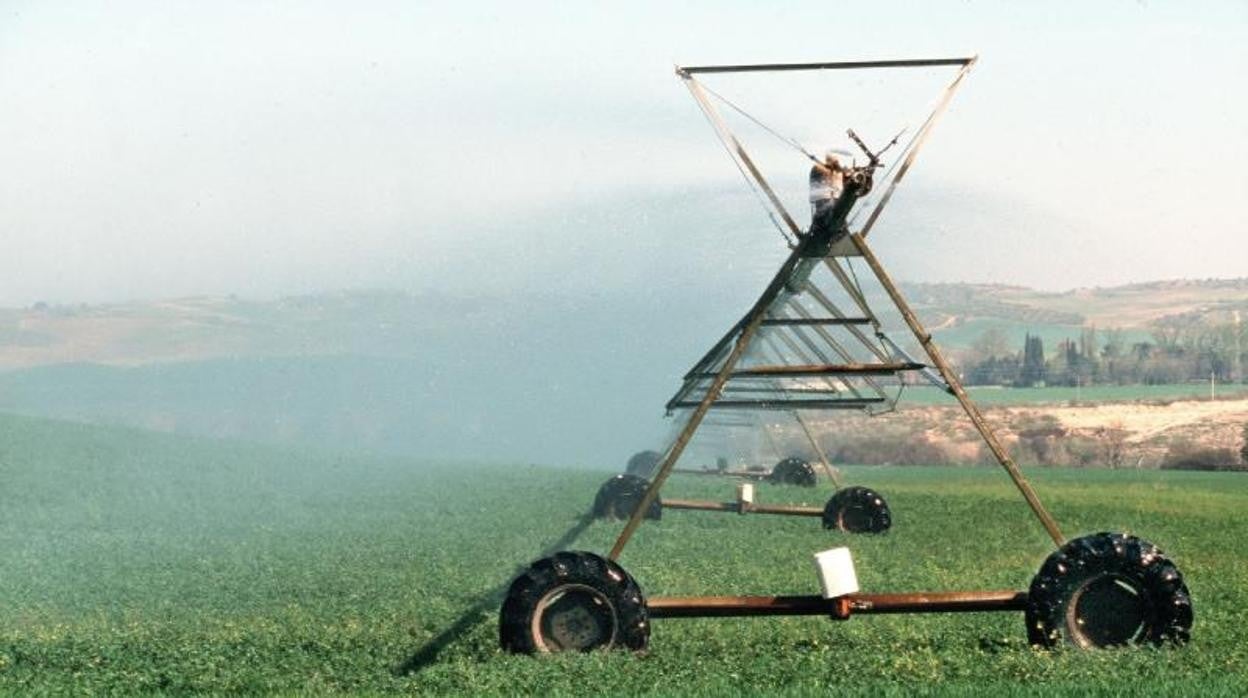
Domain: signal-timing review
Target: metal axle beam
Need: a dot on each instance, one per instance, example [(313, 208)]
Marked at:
[(840, 607), (742, 507), (758, 475)]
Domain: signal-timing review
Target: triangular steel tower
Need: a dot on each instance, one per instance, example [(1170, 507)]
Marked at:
[(812, 341)]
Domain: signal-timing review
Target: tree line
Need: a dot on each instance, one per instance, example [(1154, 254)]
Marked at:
[(1181, 349)]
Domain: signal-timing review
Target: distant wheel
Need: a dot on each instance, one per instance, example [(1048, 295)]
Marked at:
[(794, 471), (857, 510), (619, 496), (1108, 589), (573, 602), (643, 463)]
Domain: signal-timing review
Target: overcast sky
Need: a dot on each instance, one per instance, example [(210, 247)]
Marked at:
[(150, 150)]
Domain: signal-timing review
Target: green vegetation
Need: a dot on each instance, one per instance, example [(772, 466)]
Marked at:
[(966, 333), (139, 562), (1181, 349)]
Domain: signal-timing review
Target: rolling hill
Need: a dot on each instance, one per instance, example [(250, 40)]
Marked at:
[(571, 379)]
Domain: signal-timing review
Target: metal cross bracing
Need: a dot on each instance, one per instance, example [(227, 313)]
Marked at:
[(811, 341), (801, 358)]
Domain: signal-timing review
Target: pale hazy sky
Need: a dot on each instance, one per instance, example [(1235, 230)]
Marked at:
[(161, 149)]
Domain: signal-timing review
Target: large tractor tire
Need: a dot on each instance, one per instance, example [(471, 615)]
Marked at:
[(619, 496), (573, 602), (643, 463), (794, 471), (1108, 589), (857, 510)]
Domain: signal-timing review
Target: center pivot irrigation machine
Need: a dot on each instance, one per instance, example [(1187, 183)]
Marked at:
[(784, 354)]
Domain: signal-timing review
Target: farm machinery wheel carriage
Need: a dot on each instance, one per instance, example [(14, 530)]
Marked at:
[(852, 509), (1098, 590)]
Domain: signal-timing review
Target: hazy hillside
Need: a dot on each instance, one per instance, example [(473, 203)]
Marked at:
[(960, 312), (509, 380), (574, 379), (393, 324)]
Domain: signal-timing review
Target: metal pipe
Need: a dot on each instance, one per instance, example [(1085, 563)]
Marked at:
[(844, 404), (807, 370), (816, 321), (743, 508), (771, 390), (744, 474), (840, 607), (699, 505), (784, 509)]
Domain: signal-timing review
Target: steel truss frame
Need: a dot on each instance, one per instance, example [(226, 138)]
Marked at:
[(809, 368)]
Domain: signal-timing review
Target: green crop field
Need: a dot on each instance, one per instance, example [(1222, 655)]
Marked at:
[(136, 562)]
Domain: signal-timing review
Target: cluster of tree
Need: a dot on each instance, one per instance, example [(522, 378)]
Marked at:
[(1182, 349)]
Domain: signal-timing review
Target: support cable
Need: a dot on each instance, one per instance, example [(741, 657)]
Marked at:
[(785, 139)]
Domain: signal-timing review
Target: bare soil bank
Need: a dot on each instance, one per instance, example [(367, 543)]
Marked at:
[(1121, 434)]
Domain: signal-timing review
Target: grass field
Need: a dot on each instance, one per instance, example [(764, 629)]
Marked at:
[(140, 562)]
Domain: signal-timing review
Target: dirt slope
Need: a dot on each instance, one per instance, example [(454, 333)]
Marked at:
[(1133, 434)]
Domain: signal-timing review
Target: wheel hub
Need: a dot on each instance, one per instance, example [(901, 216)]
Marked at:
[(1107, 610), (574, 617), (854, 518)]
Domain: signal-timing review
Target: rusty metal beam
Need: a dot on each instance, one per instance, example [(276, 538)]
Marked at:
[(780, 404), (815, 370), (805, 322), (743, 474), (743, 508), (772, 390), (839, 607), (753, 319)]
